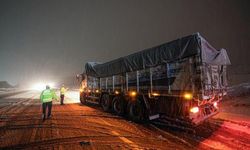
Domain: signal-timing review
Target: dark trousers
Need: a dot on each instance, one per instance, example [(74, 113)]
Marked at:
[(45, 105), (62, 99)]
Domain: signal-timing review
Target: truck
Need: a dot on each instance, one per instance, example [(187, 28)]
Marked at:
[(183, 80)]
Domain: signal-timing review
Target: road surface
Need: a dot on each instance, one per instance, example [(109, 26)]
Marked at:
[(75, 126)]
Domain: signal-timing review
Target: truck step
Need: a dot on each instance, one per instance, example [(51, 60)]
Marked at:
[(154, 117)]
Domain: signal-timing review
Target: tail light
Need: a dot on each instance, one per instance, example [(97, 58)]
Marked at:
[(215, 104), (194, 109), (133, 94), (188, 96), (155, 94)]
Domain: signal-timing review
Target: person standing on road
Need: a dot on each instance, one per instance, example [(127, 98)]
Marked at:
[(46, 97), (62, 93)]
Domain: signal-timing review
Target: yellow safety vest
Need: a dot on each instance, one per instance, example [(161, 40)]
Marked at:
[(48, 95), (62, 91)]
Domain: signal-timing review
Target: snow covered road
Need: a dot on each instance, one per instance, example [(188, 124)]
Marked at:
[(73, 126), (76, 126)]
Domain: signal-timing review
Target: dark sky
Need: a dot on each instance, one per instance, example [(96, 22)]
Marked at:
[(52, 39)]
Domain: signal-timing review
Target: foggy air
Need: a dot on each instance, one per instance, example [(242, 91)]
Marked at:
[(124, 74)]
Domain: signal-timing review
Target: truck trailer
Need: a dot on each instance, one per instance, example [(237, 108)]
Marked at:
[(182, 80)]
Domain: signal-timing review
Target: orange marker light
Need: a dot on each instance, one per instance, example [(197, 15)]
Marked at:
[(133, 94), (194, 109), (188, 96), (155, 94)]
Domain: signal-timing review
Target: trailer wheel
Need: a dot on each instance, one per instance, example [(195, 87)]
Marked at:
[(82, 99), (117, 105), (105, 102), (136, 111)]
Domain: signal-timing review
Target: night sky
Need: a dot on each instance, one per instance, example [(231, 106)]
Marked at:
[(52, 39)]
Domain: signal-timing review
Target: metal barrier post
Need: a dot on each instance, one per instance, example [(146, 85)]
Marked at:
[(137, 81), (151, 80)]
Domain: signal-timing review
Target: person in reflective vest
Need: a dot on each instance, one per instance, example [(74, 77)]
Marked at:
[(46, 97), (62, 94)]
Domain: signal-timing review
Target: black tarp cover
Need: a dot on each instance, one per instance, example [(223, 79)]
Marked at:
[(168, 52)]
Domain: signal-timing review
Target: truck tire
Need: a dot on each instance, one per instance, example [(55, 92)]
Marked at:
[(82, 99), (135, 111), (105, 102), (117, 105)]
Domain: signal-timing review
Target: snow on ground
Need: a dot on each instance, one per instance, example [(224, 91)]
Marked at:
[(71, 96), (27, 94), (239, 90), (74, 126), (237, 102), (7, 89), (230, 129)]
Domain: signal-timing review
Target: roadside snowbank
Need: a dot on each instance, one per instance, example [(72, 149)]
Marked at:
[(236, 105), (239, 90)]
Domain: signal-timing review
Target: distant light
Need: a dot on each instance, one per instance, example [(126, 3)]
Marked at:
[(194, 109), (116, 92), (51, 85), (42, 86), (97, 91), (38, 86)]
